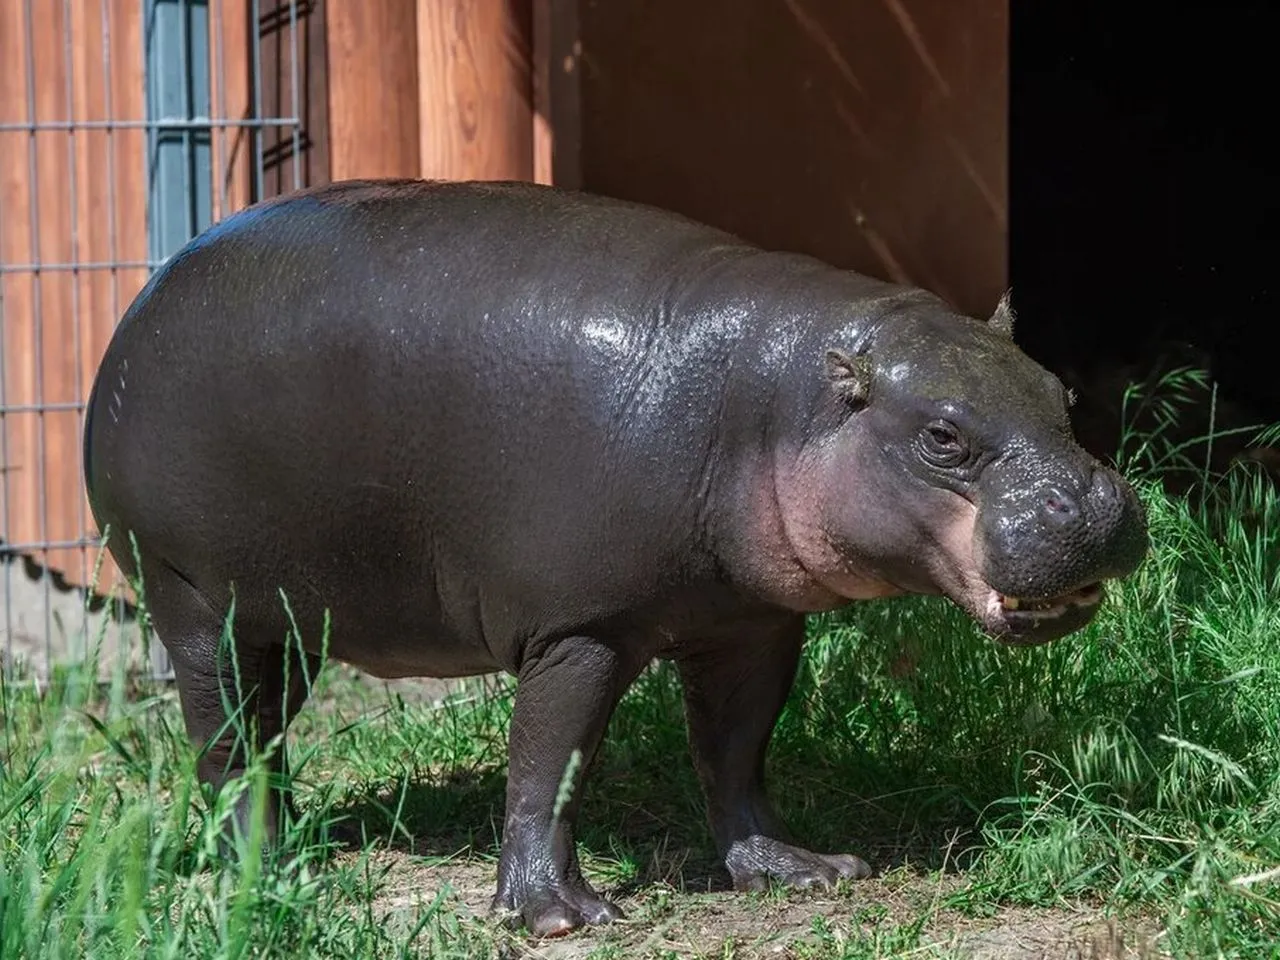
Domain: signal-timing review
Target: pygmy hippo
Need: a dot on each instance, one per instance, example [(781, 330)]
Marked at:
[(507, 427)]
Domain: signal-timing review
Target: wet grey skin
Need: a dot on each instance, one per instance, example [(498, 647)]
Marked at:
[(502, 427)]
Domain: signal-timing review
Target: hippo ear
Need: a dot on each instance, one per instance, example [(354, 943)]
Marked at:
[(1002, 320), (851, 376)]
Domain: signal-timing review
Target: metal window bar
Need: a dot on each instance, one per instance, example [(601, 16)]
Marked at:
[(49, 616)]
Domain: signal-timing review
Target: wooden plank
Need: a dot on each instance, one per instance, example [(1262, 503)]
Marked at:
[(232, 35), (316, 103), (121, 236), (373, 89), (557, 50), (871, 133), (475, 89)]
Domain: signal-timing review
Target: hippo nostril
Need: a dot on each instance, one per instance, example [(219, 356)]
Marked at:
[(1104, 486), (1059, 506)]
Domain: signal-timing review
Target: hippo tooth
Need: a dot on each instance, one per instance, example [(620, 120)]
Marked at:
[(1010, 603)]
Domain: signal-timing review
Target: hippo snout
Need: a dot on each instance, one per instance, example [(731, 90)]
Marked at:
[(1107, 504), (1047, 547)]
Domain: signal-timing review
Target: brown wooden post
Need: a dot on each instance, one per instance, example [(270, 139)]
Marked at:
[(475, 89), (373, 88)]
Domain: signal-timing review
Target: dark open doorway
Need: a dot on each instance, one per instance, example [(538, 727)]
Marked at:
[(1143, 191)]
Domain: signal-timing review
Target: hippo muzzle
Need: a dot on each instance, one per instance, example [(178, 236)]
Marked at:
[(1048, 533)]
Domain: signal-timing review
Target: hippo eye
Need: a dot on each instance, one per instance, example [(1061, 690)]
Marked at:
[(942, 445)]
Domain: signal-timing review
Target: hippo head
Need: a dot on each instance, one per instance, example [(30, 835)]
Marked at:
[(942, 461)]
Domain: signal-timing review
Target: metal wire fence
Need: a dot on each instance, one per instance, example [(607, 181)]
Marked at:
[(126, 128)]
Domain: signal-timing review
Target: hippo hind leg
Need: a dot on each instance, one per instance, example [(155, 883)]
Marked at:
[(565, 695), (229, 708), (734, 691)]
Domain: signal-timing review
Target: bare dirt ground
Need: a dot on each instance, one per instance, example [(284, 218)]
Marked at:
[(665, 922), (667, 919)]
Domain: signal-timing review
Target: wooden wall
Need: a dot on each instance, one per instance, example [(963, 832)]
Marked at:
[(65, 197), (309, 101), (871, 133), (475, 89)]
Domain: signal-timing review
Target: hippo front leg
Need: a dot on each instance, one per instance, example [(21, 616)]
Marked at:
[(734, 691), (565, 695)]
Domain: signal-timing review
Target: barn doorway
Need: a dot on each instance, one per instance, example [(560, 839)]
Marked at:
[(1142, 191)]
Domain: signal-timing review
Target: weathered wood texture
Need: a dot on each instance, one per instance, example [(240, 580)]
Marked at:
[(871, 133)]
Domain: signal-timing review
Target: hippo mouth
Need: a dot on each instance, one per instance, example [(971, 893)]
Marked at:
[(1026, 621)]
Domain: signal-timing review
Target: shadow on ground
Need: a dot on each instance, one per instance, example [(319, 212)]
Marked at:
[(643, 818)]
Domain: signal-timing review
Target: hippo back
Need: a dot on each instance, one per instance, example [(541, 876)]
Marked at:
[(460, 400)]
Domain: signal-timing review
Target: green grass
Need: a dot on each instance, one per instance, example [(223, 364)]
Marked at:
[(1134, 767)]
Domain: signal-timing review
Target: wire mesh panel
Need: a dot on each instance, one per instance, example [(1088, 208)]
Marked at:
[(126, 127)]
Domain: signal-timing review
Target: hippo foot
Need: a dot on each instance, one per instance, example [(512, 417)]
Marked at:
[(240, 825), (555, 909), (756, 860)]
